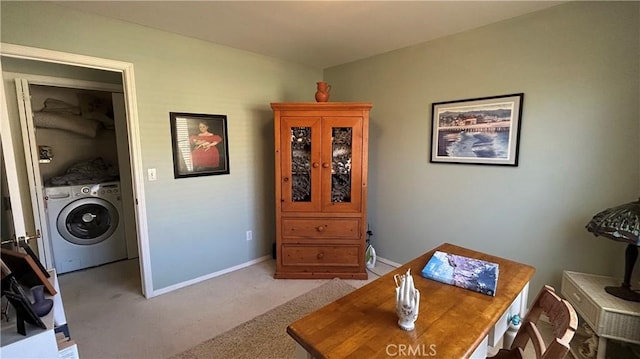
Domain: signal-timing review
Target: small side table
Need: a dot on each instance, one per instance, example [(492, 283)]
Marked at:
[(608, 316)]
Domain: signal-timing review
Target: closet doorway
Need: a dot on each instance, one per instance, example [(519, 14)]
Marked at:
[(25, 184)]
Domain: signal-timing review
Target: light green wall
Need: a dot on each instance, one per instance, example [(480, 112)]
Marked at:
[(196, 225), (578, 66)]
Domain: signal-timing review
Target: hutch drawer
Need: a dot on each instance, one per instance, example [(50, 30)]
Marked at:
[(321, 228), (321, 256)]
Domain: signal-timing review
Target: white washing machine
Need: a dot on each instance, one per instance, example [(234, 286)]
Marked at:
[(85, 225)]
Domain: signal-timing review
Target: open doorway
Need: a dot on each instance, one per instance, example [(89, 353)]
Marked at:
[(42, 64), (83, 172)]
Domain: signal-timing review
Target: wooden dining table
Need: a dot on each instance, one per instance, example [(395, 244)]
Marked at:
[(453, 322)]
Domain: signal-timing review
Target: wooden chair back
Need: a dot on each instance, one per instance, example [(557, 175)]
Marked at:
[(563, 319)]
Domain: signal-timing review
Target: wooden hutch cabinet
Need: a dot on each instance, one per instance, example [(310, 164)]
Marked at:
[(321, 189)]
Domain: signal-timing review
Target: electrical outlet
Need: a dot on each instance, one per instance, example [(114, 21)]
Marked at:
[(249, 235)]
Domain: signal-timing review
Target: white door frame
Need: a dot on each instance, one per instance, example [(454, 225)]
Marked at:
[(128, 85)]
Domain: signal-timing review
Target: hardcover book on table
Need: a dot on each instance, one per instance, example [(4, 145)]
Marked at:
[(464, 272)]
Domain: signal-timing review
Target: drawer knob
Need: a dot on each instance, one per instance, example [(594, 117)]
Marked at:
[(576, 297), (320, 228), (316, 165), (320, 255), (325, 165), (285, 179)]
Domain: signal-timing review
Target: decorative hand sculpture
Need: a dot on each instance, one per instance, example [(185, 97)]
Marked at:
[(407, 300)]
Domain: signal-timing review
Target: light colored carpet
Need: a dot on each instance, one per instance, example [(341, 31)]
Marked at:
[(265, 336), (109, 318)]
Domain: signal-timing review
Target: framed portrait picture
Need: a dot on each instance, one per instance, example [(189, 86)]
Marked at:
[(477, 131), (200, 144)]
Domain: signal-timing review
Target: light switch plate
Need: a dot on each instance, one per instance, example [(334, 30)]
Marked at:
[(152, 174)]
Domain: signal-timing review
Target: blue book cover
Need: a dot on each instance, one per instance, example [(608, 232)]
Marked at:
[(464, 272)]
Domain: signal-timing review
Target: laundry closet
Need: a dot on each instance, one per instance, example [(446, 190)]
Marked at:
[(83, 161)]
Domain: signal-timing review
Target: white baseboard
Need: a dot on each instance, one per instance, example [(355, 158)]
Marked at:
[(171, 288), (388, 262)]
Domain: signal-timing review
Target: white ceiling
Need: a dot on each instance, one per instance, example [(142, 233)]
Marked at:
[(314, 33)]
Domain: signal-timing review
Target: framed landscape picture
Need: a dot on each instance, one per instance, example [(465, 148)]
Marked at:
[(200, 144), (477, 131)]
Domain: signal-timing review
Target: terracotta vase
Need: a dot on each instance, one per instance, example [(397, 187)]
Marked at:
[(322, 94)]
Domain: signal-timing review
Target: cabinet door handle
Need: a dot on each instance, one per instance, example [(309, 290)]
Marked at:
[(320, 228), (316, 165), (285, 179), (325, 165), (320, 255)]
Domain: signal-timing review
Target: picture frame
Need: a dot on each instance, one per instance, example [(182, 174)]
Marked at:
[(25, 270), (484, 131), (200, 144), (25, 247), (23, 307)]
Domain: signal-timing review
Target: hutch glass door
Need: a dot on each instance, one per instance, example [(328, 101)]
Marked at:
[(341, 162), (301, 145)]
